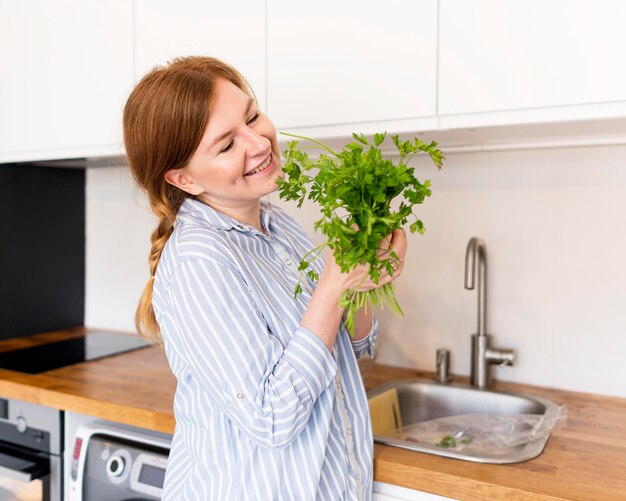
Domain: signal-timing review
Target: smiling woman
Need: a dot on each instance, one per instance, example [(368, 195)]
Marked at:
[(269, 402), (237, 161)]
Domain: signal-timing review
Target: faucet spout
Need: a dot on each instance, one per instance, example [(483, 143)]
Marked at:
[(483, 354), (476, 259)]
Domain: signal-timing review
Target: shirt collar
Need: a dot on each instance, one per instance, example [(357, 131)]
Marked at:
[(195, 211)]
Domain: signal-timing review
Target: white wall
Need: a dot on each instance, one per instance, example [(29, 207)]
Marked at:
[(552, 220), (119, 224)]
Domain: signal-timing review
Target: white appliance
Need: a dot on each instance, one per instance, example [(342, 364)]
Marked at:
[(113, 462)]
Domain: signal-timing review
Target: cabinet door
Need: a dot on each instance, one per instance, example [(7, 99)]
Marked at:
[(66, 72), (233, 32), (500, 55), (352, 61)]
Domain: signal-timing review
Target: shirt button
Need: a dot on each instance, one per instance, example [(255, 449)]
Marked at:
[(240, 227), (338, 386), (240, 396), (348, 431)]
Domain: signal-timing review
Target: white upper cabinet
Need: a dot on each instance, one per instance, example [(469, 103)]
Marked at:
[(506, 55), (233, 32), (351, 62), (468, 73), (66, 70)]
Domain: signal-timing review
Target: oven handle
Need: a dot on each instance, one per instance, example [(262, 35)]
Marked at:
[(23, 467)]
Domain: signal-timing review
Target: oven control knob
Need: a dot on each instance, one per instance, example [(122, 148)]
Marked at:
[(115, 466), (20, 424)]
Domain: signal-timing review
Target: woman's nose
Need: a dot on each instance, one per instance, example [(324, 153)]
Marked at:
[(256, 142)]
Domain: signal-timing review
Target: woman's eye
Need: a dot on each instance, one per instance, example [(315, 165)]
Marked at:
[(252, 119), (228, 147)]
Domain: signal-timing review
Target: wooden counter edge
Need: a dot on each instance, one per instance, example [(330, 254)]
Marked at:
[(125, 414), (446, 484)]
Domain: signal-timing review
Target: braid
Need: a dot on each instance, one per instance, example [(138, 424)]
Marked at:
[(145, 319), (158, 239)]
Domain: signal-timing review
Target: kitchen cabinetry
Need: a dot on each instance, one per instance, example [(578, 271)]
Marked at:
[(66, 70), (326, 69), (232, 32), (335, 67), (504, 63)]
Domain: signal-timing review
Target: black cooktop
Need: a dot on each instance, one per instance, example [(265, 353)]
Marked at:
[(47, 357)]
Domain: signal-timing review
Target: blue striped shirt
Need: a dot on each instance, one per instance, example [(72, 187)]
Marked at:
[(263, 409)]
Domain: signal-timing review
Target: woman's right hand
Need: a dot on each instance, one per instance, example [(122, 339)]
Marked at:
[(358, 278)]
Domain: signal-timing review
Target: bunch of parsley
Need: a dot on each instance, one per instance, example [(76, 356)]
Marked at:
[(355, 189)]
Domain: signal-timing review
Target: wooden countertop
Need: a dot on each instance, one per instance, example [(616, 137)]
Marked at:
[(585, 460), (135, 388)]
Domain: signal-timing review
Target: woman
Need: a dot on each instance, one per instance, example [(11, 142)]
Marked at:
[(269, 402)]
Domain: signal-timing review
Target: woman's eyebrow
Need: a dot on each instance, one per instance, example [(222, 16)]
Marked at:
[(222, 136)]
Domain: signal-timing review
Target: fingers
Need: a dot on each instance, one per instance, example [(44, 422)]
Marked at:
[(396, 248), (397, 237), (396, 253), (385, 243), (399, 243), (393, 247)]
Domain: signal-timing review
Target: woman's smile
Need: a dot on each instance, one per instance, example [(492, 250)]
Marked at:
[(265, 168)]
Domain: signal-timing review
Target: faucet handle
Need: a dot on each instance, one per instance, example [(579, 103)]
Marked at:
[(500, 357), (443, 365), (505, 362)]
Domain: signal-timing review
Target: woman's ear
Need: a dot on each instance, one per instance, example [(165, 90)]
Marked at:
[(182, 180)]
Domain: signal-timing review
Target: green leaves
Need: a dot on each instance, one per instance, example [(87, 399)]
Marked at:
[(355, 188), (417, 226), (360, 138), (408, 149), (450, 442)]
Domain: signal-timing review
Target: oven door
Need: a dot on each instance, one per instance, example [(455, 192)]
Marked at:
[(27, 475)]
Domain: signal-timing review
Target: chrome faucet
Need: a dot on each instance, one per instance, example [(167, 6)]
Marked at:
[(482, 355)]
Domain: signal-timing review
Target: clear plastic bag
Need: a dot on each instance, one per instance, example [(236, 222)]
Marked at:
[(482, 432)]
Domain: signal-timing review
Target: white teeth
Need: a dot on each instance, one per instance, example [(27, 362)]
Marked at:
[(260, 168)]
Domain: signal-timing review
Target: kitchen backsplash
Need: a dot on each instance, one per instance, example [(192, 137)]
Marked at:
[(42, 249), (552, 220)]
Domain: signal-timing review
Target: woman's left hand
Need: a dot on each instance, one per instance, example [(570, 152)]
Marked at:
[(396, 242), (399, 245)]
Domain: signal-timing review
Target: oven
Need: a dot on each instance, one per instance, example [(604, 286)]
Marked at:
[(30, 452), (114, 462)]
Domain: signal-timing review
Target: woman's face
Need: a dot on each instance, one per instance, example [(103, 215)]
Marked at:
[(238, 160)]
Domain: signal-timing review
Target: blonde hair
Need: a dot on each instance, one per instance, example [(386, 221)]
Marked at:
[(164, 119)]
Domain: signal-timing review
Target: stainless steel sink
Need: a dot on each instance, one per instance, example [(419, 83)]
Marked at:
[(422, 400)]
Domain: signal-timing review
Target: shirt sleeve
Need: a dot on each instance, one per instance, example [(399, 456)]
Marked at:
[(267, 390), (369, 344)]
